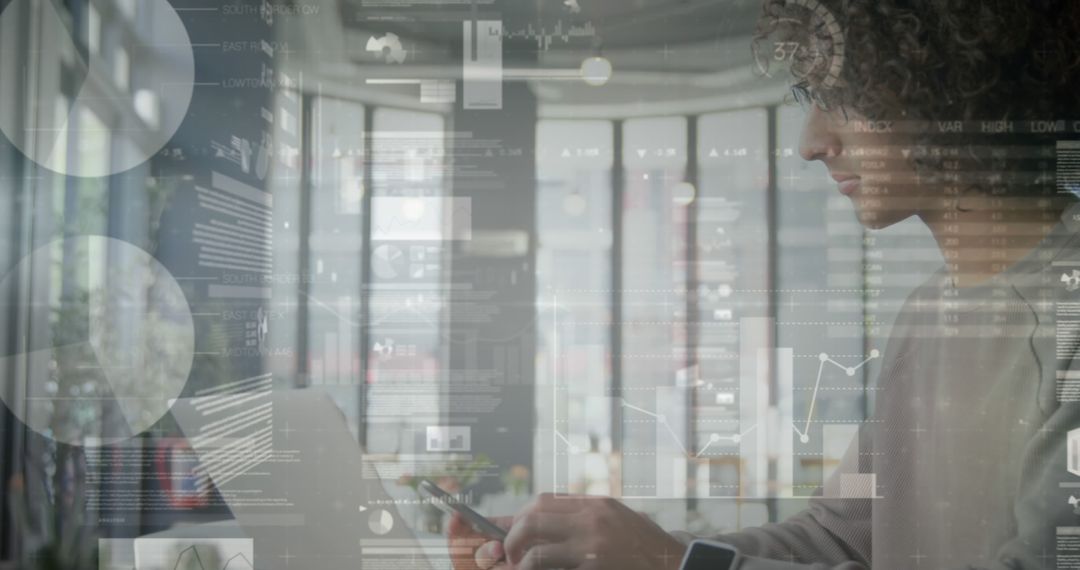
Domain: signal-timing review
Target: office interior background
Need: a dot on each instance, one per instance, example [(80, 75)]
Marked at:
[(513, 240)]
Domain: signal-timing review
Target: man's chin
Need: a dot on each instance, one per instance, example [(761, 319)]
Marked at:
[(876, 219)]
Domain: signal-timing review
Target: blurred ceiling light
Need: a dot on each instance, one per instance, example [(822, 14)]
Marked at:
[(596, 71), (574, 204), (148, 108), (413, 209), (683, 193)]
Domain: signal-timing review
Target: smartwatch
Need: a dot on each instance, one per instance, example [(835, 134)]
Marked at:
[(709, 555)]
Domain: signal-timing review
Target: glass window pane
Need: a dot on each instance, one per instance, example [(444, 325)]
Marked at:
[(127, 8), (336, 242), (410, 211), (820, 281), (574, 218), (654, 212), (289, 197), (93, 142), (93, 28), (122, 68), (733, 282), (655, 143)]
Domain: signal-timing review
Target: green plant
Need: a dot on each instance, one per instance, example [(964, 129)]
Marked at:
[(453, 476), (55, 534), (516, 480)]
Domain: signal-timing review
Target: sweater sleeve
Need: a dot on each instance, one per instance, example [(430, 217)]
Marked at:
[(1046, 487), (835, 533), (830, 533), (1041, 508)]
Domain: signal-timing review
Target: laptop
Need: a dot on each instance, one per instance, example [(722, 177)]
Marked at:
[(297, 483)]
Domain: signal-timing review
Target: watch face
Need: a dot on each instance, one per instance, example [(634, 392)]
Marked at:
[(709, 557)]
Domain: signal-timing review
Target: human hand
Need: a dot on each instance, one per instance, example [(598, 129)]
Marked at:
[(470, 550), (590, 533)]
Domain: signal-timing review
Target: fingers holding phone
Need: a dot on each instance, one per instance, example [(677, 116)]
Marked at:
[(473, 550), (476, 542), (588, 533)]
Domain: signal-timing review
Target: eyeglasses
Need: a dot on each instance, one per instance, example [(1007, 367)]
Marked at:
[(806, 96)]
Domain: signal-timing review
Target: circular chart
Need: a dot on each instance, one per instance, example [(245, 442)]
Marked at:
[(89, 133), (596, 71), (388, 262), (683, 193), (827, 56), (381, 522), (109, 345)]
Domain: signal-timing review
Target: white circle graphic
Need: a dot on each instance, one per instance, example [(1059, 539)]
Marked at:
[(381, 522), (596, 71), (388, 262), (92, 132), (110, 343)]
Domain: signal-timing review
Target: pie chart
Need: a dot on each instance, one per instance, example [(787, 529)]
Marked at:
[(388, 262), (98, 129), (381, 522), (106, 340)]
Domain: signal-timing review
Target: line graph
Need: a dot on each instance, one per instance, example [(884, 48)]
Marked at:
[(744, 428), (544, 37), (398, 218), (569, 446), (176, 553), (661, 419), (241, 561), (804, 433), (713, 438)]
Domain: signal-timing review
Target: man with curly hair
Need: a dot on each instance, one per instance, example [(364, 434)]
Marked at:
[(961, 104)]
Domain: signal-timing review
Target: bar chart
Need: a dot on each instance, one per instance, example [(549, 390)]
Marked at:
[(339, 360), (712, 440)]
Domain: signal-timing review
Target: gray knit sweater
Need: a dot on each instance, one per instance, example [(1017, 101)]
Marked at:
[(969, 435)]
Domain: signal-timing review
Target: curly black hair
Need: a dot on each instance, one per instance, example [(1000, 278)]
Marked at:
[(933, 60), (994, 66)]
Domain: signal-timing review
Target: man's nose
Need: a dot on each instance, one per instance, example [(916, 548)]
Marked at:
[(818, 140)]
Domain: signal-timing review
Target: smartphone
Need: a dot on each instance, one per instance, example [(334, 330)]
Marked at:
[(450, 505), (710, 555)]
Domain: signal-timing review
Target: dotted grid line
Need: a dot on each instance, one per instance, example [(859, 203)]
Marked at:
[(714, 323), (671, 356), (669, 291), (804, 433), (840, 389), (713, 438), (722, 355), (798, 389), (827, 422)]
